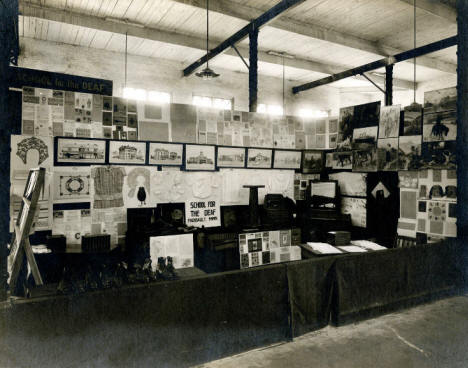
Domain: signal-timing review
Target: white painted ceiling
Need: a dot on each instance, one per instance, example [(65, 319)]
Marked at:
[(386, 24)]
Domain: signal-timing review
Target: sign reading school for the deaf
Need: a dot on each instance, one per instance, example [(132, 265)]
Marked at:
[(200, 213)]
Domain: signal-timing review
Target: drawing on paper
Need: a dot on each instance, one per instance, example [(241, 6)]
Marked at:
[(259, 158), (231, 157), (287, 160), (81, 150), (32, 143), (199, 157), (165, 154), (127, 152)]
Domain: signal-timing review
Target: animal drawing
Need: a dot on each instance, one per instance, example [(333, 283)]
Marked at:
[(439, 130)]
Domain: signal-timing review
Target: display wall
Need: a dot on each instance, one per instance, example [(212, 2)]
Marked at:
[(106, 154)]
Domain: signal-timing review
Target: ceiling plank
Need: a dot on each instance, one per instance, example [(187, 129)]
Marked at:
[(435, 7), (103, 24), (285, 23)]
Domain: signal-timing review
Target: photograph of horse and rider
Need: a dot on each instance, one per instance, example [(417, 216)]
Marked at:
[(440, 126)]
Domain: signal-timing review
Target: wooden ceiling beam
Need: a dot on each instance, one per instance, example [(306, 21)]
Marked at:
[(289, 24), (140, 31)]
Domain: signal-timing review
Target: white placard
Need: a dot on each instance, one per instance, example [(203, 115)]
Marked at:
[(200, 213)]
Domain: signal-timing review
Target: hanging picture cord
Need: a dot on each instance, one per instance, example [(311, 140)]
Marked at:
[(126, 39), (283, 84)]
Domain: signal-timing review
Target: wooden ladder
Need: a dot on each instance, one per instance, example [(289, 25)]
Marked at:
[(23, 228)]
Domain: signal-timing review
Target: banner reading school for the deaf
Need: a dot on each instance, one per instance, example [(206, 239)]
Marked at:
[(200, 213)]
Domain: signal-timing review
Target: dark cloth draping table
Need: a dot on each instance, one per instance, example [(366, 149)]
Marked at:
[(201, 318)]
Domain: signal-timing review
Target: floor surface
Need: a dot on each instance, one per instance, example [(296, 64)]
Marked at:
[(431, 335)]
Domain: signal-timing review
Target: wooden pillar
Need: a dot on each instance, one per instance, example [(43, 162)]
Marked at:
[(8, 52), (462, 127), (253, 69), (389, 85)]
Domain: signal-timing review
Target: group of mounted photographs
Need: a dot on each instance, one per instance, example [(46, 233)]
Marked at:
[(190, 157), (384, 138)]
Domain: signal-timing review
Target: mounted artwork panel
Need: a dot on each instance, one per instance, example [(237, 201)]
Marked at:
[(312, 161), (389, 124), (199, 157), (230, 157), (165, 153), (287, 159), (259, 158), (127, 152), (80, 151), (441, 126)]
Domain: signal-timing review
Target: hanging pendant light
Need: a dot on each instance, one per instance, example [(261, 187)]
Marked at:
[(414, 106), (207, 73)]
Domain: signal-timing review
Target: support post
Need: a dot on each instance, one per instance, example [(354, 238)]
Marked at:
[(253, 68), (462, 128), (389, 85), (9, 50)]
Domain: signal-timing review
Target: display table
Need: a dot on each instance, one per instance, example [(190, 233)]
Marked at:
[(201, 318)]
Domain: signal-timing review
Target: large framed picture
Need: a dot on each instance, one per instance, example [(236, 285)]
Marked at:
[(127, 152), (199, 157), (259, 158), (312, 162), (78, 151), (165, 154), (287, 159), (230, 157)]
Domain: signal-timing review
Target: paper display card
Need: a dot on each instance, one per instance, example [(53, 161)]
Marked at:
[(265, 247), (230, 157), (199, 157), (389, 124), (259, 158), (71, 184), (287, 159), (165, 154), (202, 213), (80, 151), (179, 247), (127, 152)]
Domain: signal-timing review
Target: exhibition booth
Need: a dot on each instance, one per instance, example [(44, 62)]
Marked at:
[(132, 220)]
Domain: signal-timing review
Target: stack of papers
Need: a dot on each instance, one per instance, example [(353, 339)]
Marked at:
[(367, 245), (323, 248), (352, 249)]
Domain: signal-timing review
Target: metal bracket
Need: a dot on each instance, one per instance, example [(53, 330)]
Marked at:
[(370, 80), (241, 57)]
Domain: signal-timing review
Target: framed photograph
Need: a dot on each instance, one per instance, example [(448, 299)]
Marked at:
[(199, 157), (78, 151), (312, 162), (127, 152), (230, 157), (440, 100), (287, 159), (441, 126), (259, 158), (165, 154)]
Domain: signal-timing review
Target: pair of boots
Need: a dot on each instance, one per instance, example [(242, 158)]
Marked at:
[(166, 271)]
